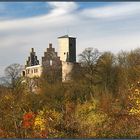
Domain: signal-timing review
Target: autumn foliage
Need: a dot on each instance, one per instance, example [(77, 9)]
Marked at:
[(103, 101)]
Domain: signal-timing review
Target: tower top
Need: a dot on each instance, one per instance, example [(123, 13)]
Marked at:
[(67, 48), (66, 36), (50, 45), (32, 59), (32, 50)]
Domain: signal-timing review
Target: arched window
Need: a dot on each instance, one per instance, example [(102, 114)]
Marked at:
[(50, 62)]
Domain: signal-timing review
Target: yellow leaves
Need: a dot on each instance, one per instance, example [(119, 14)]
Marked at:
[(137, 90), (40, 122), (134, 99), (96, 118), (87, 114), (86, 107), (90, 118), (56, 116), (137, 102), (7, 97), (134, 111), (41, 113)]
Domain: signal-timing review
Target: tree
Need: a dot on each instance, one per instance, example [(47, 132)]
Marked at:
[(106, 71), (88, 60), (134, 65), (89, 57), (13, 73)]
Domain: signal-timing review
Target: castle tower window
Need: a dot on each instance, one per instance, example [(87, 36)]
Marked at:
[(50, 62), (34, 70), (23, 73), (27, 71)]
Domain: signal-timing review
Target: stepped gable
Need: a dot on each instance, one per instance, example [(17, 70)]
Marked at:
[(50, 57), (32, 59)]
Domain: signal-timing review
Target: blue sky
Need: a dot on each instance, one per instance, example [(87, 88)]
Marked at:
[(18, 10), (107, 26)]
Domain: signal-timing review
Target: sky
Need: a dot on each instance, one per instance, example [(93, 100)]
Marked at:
[(107, 26)]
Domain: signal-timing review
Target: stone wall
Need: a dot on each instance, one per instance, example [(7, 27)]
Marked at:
[(50, 58)]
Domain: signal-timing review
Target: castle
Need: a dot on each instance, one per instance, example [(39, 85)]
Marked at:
[(65, 60)]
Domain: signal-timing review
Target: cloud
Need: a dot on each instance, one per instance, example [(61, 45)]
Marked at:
[(59, 15), (61, 8), (17, 36), (119, 10), (2, 68)]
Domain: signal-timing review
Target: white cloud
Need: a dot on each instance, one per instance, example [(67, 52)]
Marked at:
[(118, 10), (61, 8), (59, 15), (2, 68), (19, 35)]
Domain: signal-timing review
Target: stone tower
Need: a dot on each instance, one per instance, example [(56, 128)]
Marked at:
[(67, 48), (67, 53)]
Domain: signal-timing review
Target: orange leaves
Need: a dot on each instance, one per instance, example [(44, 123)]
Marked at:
[(31, 122), (28, 116), (43, 134), (27, 124), (28, 120)]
